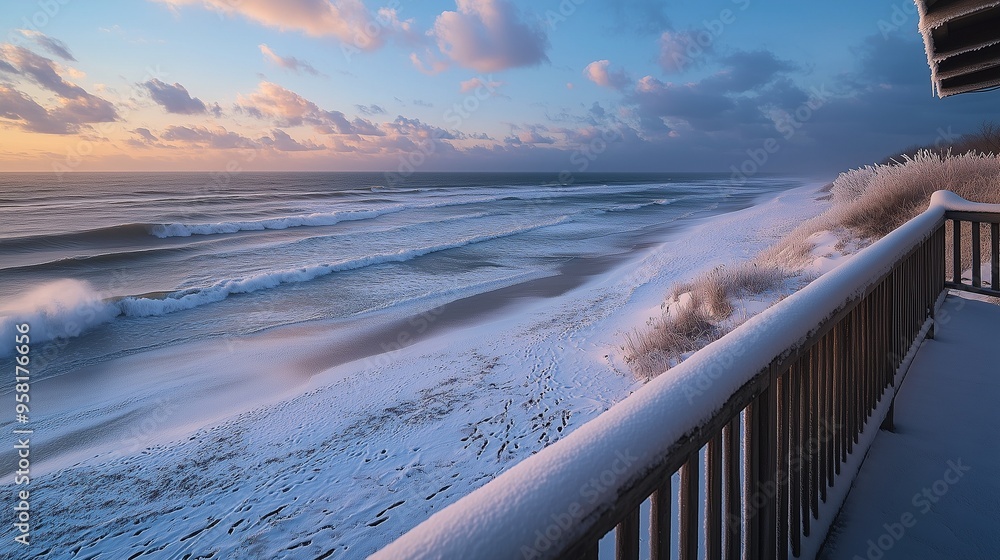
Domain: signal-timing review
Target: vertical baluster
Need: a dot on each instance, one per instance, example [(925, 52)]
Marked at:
[(793, 523), (782, 483), (841, 358), (731, 443), (812, 442), (858, 353), (659, 522), (872, 373), (802, 450), (830, 437), (627, 537), (751, 475), (995, 256), (822, 394), (770, 426), (956, 244), (977, 264), (941, 271), (852, 386), (789, 524), (713, 498), (864, 333), (884, 319), (689, 508)]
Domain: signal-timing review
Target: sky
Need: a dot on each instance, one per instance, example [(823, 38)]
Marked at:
[(736, 86)]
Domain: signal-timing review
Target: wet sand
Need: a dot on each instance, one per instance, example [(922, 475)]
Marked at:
[(399, 333)]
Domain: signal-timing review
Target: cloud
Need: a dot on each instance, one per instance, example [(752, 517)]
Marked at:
[(529, 137), (289, 62), (145, 134), (748, 70), (372, 109), (736, 97), (65, 119), (479, 83), (288, 108), (76, 107), (488, 36), (54, 46), (598, 73), (414, 128), (174, 98), (281, 141), (347, 20), (680, 50), (430, 64), (17, 106), (218, 138), (144, 138), (41, 70)]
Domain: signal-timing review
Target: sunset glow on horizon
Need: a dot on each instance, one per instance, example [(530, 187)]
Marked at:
[(578, 85)]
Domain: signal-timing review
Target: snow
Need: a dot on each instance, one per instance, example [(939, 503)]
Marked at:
[(538, 493), (831, 250), (349, 459), (948, 200), (931, 487)]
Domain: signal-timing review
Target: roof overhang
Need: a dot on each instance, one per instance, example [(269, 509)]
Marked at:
[(962, 40)]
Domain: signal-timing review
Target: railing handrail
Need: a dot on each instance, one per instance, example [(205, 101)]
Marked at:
[(548, 501)]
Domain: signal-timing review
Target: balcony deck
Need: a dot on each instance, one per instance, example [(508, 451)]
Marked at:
[(930, 488)]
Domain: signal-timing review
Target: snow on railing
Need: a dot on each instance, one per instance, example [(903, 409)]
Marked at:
[(779, 413)]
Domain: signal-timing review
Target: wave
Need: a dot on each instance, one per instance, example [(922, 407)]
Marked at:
[(118, 233), (283, 222), (55, 311), (136, 233), (638, 206), (195, 297), (66, 308), (326, 219)]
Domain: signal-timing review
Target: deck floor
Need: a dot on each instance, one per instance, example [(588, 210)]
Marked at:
[(931, 487)]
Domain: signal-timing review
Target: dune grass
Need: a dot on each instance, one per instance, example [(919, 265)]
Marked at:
[(867, 204)]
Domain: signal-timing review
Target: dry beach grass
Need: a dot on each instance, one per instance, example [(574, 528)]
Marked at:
[(866, 204)]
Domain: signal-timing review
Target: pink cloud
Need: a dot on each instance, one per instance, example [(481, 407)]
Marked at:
[(288, 108), (479, 83), (347, 20), (488, 36), (287, 62), (429, 64), (598, 73)]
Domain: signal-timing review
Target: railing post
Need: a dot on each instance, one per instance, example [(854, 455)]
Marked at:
[(659, 522), (888, 424), (731, 443), (627, 537), (689, 508)]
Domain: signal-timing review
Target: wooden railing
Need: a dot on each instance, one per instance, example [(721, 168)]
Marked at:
[(778, 414), (978, 222)]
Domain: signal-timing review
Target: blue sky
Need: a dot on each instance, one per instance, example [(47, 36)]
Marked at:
[(741, 86)]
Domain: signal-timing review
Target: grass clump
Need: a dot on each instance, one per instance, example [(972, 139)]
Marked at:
[(695, 315)]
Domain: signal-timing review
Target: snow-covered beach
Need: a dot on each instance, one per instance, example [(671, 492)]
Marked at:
[(345, 460)]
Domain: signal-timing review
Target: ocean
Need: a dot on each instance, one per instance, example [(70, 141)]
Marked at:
[(119, 264)]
